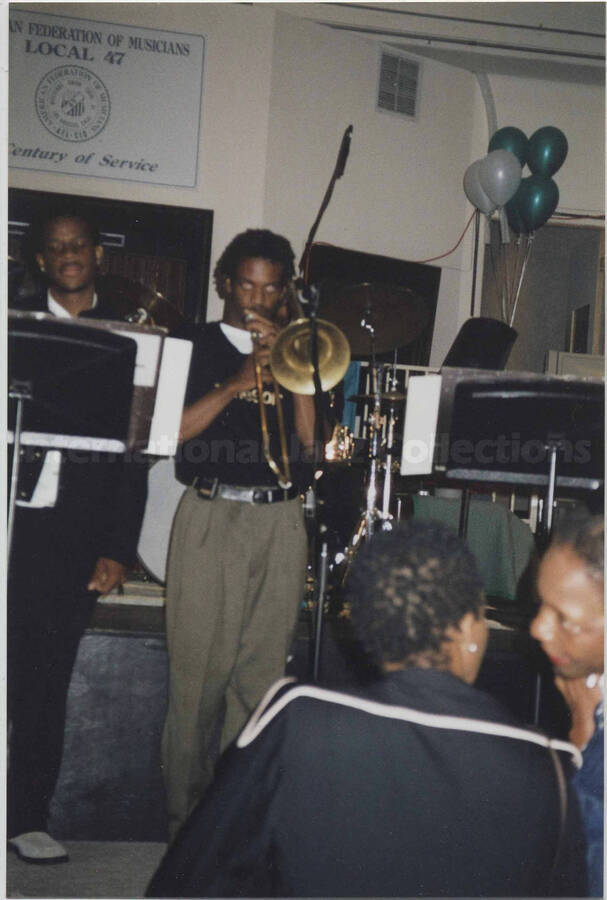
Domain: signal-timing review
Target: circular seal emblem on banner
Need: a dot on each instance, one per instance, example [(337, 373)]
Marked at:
[(72, 103)]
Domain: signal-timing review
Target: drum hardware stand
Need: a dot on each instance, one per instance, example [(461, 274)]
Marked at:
[(374, 427), (372, 513), (386, 517)]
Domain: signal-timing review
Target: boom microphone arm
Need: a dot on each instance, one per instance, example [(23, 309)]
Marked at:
[(340, 166)]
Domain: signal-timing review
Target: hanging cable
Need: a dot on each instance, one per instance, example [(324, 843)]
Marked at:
[(453, 249), (431, 259)]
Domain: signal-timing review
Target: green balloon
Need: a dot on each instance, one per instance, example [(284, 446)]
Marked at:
[(547, 150), (512, 139), (537, 198), (513, 214)]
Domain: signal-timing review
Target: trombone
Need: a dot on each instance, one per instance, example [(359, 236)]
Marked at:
[(291, 367), (282, 474)]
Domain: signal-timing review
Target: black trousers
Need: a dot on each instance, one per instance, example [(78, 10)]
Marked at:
[(48, 609)]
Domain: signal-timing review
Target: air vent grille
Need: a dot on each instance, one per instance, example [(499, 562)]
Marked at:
[(398, 84)]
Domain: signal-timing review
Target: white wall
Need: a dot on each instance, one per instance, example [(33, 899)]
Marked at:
[(401, 193), (278, 94)]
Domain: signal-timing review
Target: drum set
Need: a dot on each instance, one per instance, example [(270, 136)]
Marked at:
[(377, 319)]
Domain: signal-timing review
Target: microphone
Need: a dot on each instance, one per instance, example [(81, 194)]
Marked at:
[(306, 293), (343, 152)]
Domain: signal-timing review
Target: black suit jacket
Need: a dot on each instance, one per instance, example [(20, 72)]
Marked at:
[(336, 795)]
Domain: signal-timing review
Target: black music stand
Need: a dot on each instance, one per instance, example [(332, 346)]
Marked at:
[(518, 428), (70, 387), (481, 343)]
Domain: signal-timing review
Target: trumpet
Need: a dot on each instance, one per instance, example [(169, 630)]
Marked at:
[(282, 474)]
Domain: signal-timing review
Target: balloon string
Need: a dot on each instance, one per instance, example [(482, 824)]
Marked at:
[(494, 268), (504, 305), (520, 258), (512, 281), (507, 291), (522, 275), (477, 224)]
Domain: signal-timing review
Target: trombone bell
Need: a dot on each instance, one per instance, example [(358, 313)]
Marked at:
[(291, 357)]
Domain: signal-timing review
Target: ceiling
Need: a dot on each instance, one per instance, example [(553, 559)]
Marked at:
[(563, 41)]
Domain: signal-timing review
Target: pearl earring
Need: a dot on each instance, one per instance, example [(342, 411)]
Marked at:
[(472, 648)]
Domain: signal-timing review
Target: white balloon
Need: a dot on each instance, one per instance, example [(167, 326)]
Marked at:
[(500, 175), (474, 191)]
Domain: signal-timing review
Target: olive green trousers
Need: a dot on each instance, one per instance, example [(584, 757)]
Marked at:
[(236, 579)]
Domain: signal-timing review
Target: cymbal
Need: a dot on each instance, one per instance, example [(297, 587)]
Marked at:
[(129, 298), (397, 314), (387, 397), (290, 358)]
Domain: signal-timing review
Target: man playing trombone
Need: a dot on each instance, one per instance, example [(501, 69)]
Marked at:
[(237, 563)]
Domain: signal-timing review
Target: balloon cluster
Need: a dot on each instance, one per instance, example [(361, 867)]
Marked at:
[(496, 181), (525, 204)]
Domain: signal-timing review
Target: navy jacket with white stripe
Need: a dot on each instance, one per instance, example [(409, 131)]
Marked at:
[(329, 794)]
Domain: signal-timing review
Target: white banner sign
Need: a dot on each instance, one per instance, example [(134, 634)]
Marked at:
[(109, 101)]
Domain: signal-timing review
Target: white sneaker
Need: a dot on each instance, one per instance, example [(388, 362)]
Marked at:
[(38, 847)]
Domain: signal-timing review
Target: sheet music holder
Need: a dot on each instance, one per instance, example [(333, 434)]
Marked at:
[(76, 383), (156, 385), (514, 428), (69, 386), (92, 385)]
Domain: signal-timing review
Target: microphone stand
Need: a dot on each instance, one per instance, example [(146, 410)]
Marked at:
[(311, 295), (340, 166)]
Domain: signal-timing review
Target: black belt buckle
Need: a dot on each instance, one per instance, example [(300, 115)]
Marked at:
[(207, 492)]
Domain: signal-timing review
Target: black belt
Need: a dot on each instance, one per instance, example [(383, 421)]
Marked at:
[(209, 488)]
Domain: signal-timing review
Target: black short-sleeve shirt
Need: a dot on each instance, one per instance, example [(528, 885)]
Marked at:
[(231, 448)]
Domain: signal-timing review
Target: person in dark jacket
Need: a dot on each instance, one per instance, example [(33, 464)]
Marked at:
[(77, 520), (417, 785), (570, 625)]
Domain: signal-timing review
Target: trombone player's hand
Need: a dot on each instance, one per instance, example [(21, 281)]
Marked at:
[(264, 331)]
